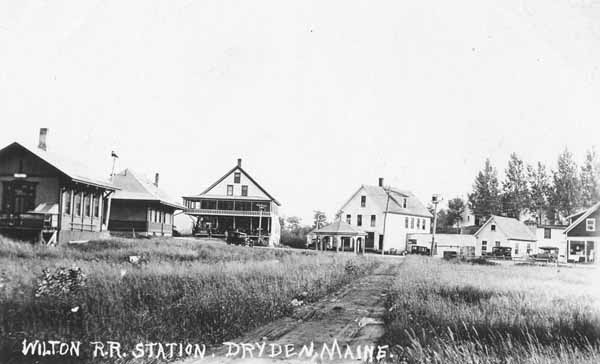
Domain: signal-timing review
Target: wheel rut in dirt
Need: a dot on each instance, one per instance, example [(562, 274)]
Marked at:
[(352, 316)]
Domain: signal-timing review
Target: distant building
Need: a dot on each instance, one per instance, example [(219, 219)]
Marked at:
[(140, 206), (583, 235), (462, 245), (235, 202), (552, 237), (500, 231), (366, 209), (49, 198)]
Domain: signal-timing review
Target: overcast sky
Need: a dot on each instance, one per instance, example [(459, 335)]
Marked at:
[(317, 97)]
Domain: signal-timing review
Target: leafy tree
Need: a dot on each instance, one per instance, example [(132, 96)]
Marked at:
[(566, 194), (540, 190), (319, 219), (515, 192), (484, 201), (293, 223), (590, 179), (282, 222), (456, 209)]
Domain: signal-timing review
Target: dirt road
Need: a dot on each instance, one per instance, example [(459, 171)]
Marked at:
[(351, 317)]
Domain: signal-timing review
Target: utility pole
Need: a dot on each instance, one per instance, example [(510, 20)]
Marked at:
[(114, 157), (385, 215), (435, 199)]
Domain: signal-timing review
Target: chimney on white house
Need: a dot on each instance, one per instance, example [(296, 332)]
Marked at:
[(156, 179), (240, 162), (380, 181), (42, 142)]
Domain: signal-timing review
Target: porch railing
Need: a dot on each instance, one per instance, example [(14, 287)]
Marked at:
[(226, 212)]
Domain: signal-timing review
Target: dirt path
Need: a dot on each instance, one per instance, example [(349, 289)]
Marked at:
[(351, 316)]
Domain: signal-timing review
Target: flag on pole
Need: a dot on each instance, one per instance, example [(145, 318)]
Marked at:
[(113, 154)]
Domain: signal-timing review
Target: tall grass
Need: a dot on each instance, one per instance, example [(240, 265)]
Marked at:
[(441, 312), (182, 292)]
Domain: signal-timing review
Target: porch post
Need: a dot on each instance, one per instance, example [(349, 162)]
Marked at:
[(364, 242), (585, 250)]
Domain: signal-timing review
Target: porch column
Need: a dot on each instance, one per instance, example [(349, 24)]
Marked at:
[(585, 250), (234, 221), (364, 242)]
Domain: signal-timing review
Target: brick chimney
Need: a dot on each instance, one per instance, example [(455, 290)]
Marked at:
[(240, 162), (42, 142), (380, 181), (156, 179)]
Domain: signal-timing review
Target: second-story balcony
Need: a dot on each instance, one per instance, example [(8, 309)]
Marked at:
[(228, 206), (192, 211)]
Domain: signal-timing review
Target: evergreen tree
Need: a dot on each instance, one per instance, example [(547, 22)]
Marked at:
[(540, 189), (484, 201), (566, 194), (590, 179), (515, 192)]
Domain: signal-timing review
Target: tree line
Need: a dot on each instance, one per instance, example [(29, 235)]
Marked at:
[(535, 192)]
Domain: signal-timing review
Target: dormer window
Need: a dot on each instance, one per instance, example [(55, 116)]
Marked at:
[(363, 201), (237, 177), (590, 225), (493, 227)]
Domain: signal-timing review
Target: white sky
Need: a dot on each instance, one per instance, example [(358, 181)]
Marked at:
[(317, 97)]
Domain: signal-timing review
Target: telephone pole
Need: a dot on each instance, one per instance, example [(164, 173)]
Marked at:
[(435, 199), (385, 215)]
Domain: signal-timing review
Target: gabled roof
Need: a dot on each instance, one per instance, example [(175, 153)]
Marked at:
[(379, 196), (584, 216), (339, 227), (512, 228), (137, 187), (234, 169), (76, 171)]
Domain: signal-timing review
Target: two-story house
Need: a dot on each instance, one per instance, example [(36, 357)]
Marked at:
[(140, 207), (583, 235), (499, 231), (235, 202), (552, 237), (386, 214), (49, 198)]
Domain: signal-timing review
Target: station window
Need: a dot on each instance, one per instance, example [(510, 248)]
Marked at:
[(78, 204), (67, 202), (96, 206)]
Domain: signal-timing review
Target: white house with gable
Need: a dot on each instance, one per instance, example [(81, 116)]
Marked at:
[(368, 207), (235, 202)]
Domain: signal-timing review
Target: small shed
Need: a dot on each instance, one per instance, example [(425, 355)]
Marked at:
[(340, 236)]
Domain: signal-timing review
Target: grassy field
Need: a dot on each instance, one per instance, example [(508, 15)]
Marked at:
[(442, 312), (182, 291)]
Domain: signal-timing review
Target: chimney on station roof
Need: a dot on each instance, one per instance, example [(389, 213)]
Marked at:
[(239, 162), (380, 181), (156, 179), (42, 142)]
